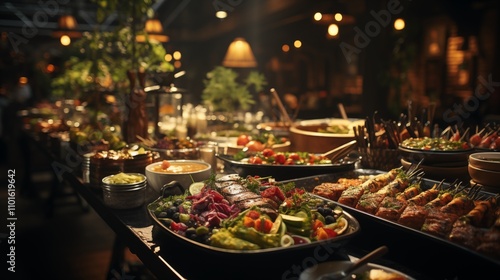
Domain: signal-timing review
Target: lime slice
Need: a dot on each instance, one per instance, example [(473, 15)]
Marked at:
[(283, 229), (343, 224), (195, 188), (276, 225)]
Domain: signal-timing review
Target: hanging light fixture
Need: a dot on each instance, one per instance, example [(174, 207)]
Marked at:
[(239, 55), (67, 26), (154, 30)]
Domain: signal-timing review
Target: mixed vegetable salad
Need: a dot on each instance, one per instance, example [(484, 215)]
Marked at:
[(435, 144), (269, 156), (207, 216)]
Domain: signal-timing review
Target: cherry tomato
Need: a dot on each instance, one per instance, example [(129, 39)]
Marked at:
[(242, 140), (255, 160), (475, 139), (497, 141), (313, 158), (493, 146), (317, 224), (455, 136), (165, 164), (253, 214), (325, 233), (486, 142), (279, 158), (289, 161), (294, 156), (255, 146), (267, 152)]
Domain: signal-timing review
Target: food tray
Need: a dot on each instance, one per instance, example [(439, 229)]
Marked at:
[(413, 248), (249, 263), (284, 172)]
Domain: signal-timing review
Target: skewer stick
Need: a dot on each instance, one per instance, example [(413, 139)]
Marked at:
[(342, 111), (284, 113), (339, 148)]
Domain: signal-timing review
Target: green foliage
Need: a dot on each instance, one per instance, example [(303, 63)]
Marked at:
[(257, 80), (223, 93), (100, 60), (126, 10)]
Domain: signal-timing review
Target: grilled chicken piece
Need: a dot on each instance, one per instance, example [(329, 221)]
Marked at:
[(413, 216), (465, 234), (409, 192), (330, 190), (394, 187), (334, 190), (376, 183), (482, 214), (351, 182), (460, 206), (439, 223), (369, 202), (490, 243), (351, 195), (424, 197), (391, 208), (440, 201)]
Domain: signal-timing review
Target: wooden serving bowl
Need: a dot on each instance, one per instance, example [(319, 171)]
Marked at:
[(486, 160), (485, 177), (305, 135)]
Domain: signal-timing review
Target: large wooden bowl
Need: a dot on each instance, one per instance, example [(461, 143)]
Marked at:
[(305, 135)]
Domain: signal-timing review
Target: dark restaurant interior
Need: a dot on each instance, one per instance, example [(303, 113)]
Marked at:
[(434, 61)]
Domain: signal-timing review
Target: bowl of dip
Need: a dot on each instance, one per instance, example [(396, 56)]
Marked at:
[(185, 172)]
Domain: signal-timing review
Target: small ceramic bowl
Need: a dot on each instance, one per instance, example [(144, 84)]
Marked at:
[(486, 160), (183, 171), (485, 177)]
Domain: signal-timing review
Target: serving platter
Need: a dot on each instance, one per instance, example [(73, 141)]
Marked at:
[(280, 259), (284, 172), (409, 245), (445, 158), (352, 230)]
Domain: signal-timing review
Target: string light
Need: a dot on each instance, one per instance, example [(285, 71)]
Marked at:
[(318, 16), (297, 44), (333, 29), (399, 24)]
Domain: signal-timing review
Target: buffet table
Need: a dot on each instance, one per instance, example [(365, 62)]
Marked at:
[(168, 259)]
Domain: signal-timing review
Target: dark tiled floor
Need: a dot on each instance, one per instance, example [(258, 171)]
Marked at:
[(70, 244)]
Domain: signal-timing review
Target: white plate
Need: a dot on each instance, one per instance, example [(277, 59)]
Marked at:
[(315, 272)]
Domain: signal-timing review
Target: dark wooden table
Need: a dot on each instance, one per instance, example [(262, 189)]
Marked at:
[(168, 258)]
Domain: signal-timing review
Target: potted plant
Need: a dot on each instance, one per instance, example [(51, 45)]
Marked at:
[(113, 63), (224, 93)]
